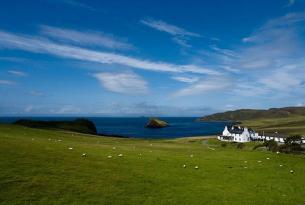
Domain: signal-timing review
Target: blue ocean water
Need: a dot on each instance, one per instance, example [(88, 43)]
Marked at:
[(135, 126)]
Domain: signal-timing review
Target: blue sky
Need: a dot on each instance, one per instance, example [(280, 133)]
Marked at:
[(174, 58)]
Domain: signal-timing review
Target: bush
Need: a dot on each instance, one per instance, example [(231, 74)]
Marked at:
[(258, 146), (271, 145), (240, 145), (293, 148), (295, 139), (292, 145)]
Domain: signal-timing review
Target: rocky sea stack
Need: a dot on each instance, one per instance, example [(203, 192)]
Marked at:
[(156, 123)]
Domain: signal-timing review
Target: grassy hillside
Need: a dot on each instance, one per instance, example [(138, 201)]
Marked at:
[(288, 125), (78, 125), (251, 114), (37, 167)]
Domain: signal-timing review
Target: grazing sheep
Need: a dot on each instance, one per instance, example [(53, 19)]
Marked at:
[(109, 156), (196, 167), (277, 152), (291, 171), (268, 158), (70, 148), (84, 155), (184, 166), (120, 155), (259, 161), (191, 155), (281, 165)]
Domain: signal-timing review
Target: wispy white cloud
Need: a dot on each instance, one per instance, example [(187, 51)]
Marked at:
[(185, 79), (76, 3), (18, 73), (28, 108), (126, 83), (66, 109), (86, 38), (226, 52), (168, 28), (39, 45), (149, 109), (182, 42), (271, 60), (180, 35), (6, 82), (291, 2), (249, 89), (203, 86), (300, 104), (12, 59), (36, 93), (283, 81)]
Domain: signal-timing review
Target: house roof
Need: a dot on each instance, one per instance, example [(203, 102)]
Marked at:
[(235, 130)]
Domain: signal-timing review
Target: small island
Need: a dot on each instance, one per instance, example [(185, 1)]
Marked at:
[(156, 123)]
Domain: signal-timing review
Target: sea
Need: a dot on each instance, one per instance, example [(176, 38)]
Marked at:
[(135, 126)]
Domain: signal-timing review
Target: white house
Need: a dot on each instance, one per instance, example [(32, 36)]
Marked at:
[(243, 134), (237, 134)]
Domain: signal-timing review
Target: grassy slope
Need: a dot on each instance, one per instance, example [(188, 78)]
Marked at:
[(287, 125), (252, 114), (36, 170)]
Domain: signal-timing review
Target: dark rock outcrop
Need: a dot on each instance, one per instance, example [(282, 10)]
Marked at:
[(156, 123)]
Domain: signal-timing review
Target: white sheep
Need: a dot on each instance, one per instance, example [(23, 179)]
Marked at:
[(196, 167), (268, 158), (120, 155), (109, 156), (70, 148), (291, 171), (191, 155), (84, 155), (184, 166)]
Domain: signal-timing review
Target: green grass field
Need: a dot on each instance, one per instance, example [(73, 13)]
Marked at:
[(287, 125), (37, 167)]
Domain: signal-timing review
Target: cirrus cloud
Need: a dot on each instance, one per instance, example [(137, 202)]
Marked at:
[(45, 46), (87, 38), (125, 83)]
